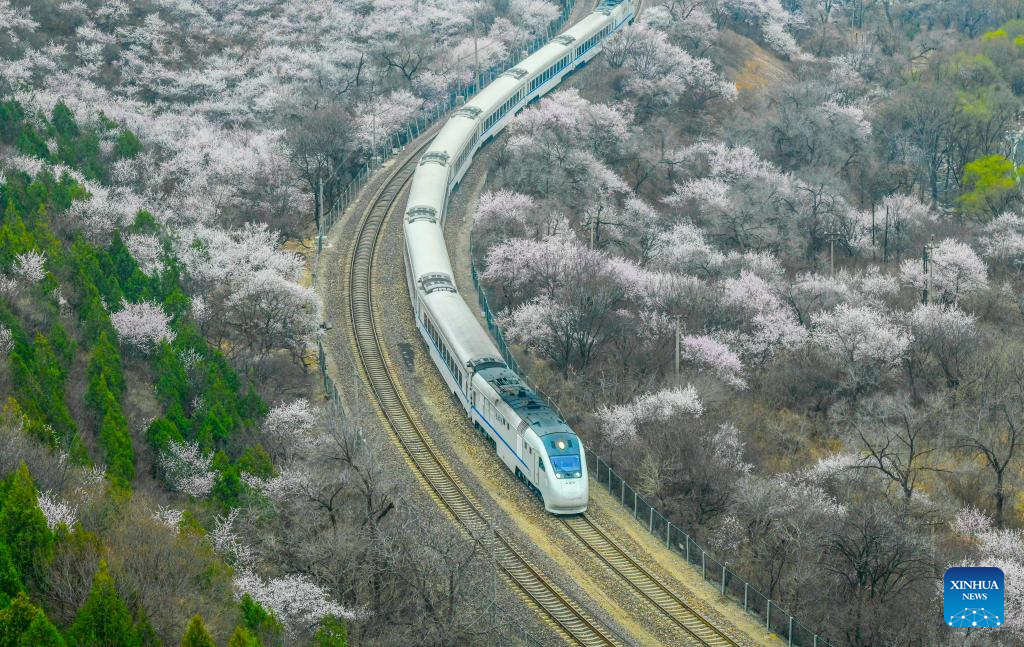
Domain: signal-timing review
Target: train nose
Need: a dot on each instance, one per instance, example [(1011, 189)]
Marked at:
[(570, 497)]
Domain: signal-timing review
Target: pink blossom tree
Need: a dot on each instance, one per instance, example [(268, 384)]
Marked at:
[(711, 354)]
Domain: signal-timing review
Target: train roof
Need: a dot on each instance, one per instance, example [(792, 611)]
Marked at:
[(528, 405), (459, 326)]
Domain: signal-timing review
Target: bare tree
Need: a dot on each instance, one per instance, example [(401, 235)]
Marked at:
[(898, 440), (991, 403)]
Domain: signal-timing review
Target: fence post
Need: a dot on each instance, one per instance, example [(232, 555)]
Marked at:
[(635, 510), (723, 579), (791, 631), (703, 565), (745, 586), (623, 497), (668, 534), (768, 615), (650, 527), (687, 549)]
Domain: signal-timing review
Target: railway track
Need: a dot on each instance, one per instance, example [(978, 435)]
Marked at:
[(448, 489), (575, 623), (646, 584)]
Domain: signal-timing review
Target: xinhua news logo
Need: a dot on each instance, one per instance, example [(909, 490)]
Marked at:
[(973, 596)]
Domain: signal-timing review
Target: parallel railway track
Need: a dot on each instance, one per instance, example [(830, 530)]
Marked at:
[(447, 488), (574, 622), (659, 595)]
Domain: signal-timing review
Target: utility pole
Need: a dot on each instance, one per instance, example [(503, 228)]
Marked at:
[(320, 203), (872, 230), (476, 58), (926, 267), (678, 341), (832, 235)]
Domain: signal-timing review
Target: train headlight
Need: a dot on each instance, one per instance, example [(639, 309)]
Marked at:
[(560, 444), (577, 474)]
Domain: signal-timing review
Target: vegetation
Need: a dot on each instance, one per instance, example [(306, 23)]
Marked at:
[(819, 204)]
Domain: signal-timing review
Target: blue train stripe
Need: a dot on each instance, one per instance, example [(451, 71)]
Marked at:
[(501, 437)]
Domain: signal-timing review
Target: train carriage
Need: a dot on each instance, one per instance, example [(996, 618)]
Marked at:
[(530, 437)]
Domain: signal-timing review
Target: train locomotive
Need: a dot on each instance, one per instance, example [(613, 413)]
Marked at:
[(530, 437)]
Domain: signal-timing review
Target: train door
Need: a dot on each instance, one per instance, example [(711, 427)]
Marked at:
[(541, 475)]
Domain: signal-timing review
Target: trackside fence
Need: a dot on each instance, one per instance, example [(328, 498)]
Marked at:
[(729, 584), (397, 140)]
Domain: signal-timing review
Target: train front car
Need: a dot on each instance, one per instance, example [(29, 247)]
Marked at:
[(547, 454)]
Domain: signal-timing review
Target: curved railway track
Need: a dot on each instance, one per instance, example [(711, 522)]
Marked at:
[(448, 489), (444, 486)]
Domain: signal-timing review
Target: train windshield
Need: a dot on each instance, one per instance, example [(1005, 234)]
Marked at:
[(566, 463), (564, 452)]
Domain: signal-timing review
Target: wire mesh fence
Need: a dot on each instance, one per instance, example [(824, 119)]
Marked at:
[(713, 571), (728, 583)]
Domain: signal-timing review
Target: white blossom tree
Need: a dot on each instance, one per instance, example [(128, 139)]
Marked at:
[(956, 272), (999, 548), (57, 512), (623, 422), (186, 469), (143, 325)]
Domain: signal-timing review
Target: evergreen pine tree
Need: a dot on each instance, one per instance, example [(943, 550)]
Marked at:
[(22, 525), (116, 439), (10, 578), (105, 362), (41, 633), (332, 633), (196, 634), (22, 624), (64, 121), (104, 619), (244, 638)]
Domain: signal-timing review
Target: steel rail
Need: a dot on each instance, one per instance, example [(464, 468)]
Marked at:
[(645, 583), (444, 486)]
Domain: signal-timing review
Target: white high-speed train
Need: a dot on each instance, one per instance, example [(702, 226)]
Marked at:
[(529, 437)]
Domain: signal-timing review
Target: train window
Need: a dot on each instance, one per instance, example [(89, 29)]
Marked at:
[(540, 463)]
